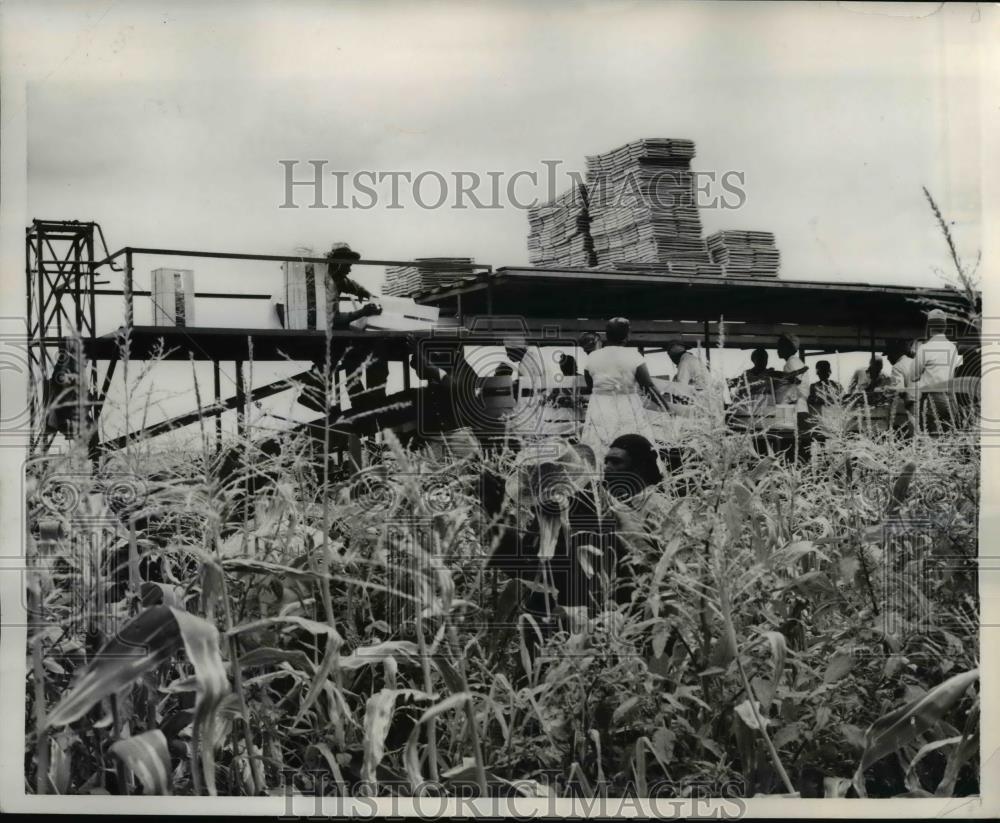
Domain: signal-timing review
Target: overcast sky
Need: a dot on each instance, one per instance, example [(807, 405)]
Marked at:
[(165, 122)]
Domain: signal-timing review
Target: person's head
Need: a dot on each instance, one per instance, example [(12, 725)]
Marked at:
[(341, 255), (617, 331), (548, 474), (937, 322), (503, 370), (875, 367), (788, 345), (895, 349), (589, 342), (516, 348), (630, 465), (759, 358), (823, 369), (675, 351), (567, 364)]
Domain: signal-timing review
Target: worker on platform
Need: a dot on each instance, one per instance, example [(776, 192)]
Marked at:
[(619, 376), (338, 271)]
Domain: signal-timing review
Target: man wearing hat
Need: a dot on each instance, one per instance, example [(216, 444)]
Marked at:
[(933, 368), (338, 268)]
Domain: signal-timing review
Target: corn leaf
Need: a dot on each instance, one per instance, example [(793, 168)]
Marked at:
[(839, 666), (899, 727), (378, 717), (147, 756), (411, 756), (147, 641), (201, 644)]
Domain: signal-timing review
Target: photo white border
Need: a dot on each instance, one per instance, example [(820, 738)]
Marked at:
[(20, 24)]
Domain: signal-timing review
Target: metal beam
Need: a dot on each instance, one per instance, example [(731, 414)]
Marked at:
[(215, 409), (291, 258)]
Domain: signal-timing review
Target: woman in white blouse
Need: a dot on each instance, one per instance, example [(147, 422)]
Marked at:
[(618, 376)]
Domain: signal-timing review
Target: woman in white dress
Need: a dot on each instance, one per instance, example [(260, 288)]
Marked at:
[(618, 375)]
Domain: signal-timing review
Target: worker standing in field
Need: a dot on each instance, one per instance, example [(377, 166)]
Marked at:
[(824, 392), (619, 376), (759, 370), (578, 538), (933, 369)]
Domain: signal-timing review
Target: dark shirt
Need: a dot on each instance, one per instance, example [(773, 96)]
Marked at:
[(580, 576), (823, 392)]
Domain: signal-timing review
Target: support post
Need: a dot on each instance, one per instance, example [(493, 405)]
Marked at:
[(241, 418), (129, 301), (241, 425), (217, 386)]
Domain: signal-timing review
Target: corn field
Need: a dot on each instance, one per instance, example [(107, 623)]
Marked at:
[(250, 621)]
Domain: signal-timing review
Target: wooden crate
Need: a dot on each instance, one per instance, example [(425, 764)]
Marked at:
[(400, 314), (172, 294), (305, 295)]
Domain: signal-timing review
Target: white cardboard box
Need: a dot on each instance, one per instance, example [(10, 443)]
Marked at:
[(400, 314), (305, 295), (172, 294)]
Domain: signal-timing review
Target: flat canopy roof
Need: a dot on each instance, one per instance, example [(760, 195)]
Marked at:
[(578, 293)]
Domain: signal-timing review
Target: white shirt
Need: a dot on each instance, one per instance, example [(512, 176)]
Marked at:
[(613, 369), (691, 371), (791, 392), (935, 362), (902, 371)]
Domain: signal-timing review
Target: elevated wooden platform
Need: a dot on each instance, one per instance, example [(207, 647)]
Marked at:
[(282, 344), (826, 315)]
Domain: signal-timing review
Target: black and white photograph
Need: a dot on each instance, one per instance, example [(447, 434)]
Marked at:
[(498, 409)]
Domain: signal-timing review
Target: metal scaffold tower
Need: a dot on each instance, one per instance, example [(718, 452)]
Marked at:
[(60, 289)]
